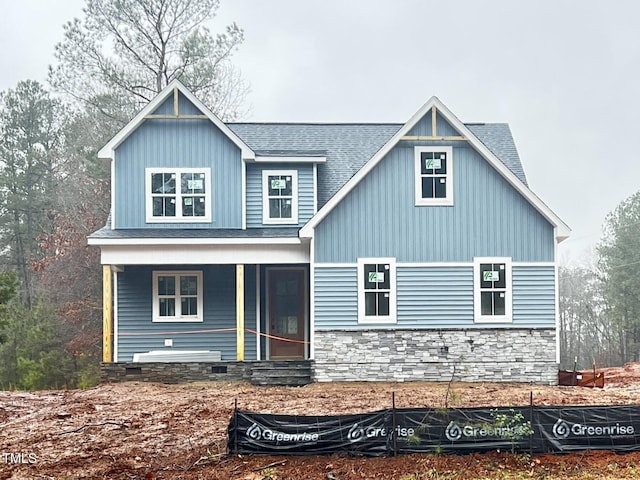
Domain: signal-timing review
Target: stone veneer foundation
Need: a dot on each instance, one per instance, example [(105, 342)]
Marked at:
[(470, 355)]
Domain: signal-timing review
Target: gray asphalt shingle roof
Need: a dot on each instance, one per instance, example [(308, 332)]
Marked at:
[(253, 233), (347, 147), (497, 138)]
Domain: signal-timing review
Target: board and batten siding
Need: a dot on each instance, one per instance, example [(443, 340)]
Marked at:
[(378, 218), (433, 297), (138, 334), (179, 143), (254, 192)]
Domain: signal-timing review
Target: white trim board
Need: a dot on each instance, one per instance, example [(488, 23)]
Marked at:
[(433, 264), (203, 254)]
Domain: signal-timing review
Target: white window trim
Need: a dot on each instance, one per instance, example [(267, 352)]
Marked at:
[(178, 218), (448, 200), (392, 317), (266, 219), (175, 273), (508, 300)]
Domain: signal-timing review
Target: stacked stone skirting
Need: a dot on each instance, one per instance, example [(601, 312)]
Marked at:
[(292, 373), (174, 372), (469, 355)]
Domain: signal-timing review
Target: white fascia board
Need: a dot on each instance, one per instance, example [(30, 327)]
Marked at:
[(243, 192), (287, 159), (203, 254), (562, 230), (113, 194), (193, 241), (107, 152)]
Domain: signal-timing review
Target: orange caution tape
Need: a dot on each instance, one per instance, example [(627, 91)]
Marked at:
[(212, 330)]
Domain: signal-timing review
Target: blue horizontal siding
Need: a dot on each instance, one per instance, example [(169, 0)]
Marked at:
[(254, 192), (434, 297), (378, 218), (534, 296), (336, 298), (137, 333)]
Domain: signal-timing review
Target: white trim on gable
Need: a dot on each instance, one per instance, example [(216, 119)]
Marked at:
[(108, 151), (561, 229)]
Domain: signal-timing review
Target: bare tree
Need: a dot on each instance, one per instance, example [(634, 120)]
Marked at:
[(123, 52)]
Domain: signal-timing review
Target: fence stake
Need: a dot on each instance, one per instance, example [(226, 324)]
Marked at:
[(531, 422), (394, 432), (235, 421)]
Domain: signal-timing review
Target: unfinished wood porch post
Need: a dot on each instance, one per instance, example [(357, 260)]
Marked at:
[(107, 314), (240, 312)]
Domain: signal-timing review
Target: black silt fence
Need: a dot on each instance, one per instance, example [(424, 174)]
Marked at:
[(465, 430)]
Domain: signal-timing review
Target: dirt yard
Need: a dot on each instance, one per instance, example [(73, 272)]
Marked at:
[(154, 431)]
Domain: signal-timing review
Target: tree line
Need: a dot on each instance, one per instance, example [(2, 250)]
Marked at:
[(54, 191), (600, 301)]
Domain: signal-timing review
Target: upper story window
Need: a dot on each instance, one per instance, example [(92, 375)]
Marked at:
[(177, 296), (376, 290), (492, 296), (434, 175), (280, 197), (178, 194)]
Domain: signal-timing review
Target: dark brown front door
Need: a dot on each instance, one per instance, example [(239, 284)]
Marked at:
[(287, 313)]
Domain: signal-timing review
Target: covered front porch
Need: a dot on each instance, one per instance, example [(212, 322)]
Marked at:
[(205, 313)]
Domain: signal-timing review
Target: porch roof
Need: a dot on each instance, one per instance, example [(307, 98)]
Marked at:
[(143, 233)]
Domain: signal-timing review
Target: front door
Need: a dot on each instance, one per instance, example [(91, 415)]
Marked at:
[(286, 313)]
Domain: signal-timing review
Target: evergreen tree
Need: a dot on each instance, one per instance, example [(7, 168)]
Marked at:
[(620, 269)]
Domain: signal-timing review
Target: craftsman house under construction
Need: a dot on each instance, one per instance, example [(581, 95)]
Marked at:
[(333, 251)]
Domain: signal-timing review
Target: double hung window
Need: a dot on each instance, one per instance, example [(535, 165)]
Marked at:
[(280, 196), (376, 290), (434, 175), (492, 290), (178, 195), (177, 296)]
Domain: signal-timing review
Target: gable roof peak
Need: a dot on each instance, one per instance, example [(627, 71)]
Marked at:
[(435, 105), (174, 87)]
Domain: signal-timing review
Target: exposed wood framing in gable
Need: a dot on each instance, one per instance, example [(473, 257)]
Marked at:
[(429, 137), (176, 111), (176, 106), (434, 130)]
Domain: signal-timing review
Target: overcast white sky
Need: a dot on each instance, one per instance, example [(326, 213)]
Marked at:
[(563, 74)]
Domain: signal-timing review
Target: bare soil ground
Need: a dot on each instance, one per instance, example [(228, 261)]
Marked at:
[(155, 431)]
